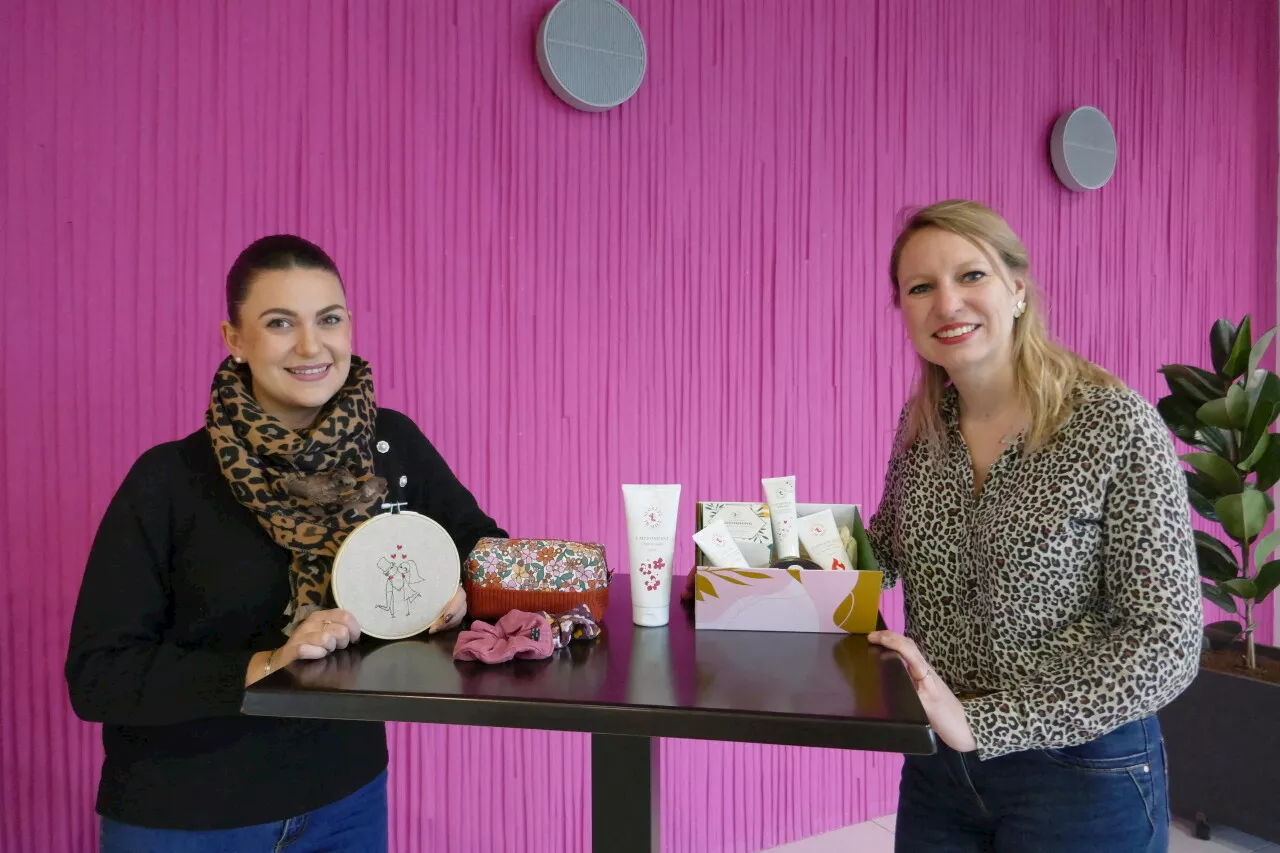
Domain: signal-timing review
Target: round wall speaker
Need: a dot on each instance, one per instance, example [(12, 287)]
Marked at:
[(1083, 149), (591, 53)]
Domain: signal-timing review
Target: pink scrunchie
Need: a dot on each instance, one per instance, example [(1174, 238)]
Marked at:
[(516, 635)]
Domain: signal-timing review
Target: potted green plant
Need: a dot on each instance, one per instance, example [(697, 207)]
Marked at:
[(1222, 764)]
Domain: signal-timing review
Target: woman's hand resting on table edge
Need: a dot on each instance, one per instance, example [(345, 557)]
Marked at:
[(326, 631), (945, 713), (322, 632)]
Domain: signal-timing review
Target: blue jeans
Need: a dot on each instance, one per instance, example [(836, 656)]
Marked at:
[(355, 824), (1110, 794)]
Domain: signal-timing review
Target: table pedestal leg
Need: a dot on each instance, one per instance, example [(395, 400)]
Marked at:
[(625, 779)]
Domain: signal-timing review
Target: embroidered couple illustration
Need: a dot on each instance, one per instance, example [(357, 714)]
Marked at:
[(401, 574)]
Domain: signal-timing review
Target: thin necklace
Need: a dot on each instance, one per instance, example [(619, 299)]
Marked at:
[(1012, 437)]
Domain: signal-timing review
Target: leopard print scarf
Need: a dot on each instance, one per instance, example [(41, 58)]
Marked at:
[(307, 489)]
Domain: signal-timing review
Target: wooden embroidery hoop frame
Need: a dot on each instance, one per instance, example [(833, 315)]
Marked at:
[(382, 517)]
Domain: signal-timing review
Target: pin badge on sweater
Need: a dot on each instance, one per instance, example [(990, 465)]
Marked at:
[(396, 573)]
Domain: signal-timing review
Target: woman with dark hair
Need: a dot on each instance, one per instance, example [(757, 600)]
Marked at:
[(211, 568)]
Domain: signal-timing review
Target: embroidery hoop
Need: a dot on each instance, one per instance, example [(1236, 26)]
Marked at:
[(393, 545)]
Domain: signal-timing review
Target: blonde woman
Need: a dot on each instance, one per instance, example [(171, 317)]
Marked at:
[(1036, 513)]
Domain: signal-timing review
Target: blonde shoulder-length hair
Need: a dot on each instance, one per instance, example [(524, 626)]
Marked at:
[(1047, 373)]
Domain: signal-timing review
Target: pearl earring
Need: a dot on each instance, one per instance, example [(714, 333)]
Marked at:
[(1019, 309), (239, 360)]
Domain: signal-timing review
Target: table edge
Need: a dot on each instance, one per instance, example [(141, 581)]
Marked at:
[(775, 728)]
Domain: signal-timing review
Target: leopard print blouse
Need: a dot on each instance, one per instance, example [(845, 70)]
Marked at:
[(1065, 598)]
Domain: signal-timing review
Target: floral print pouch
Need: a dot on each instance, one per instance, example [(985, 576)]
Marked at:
[(549, 575)]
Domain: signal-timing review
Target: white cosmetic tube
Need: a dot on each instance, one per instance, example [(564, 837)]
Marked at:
[(780, 495), (651, 543), (719, 547), (822, 540)]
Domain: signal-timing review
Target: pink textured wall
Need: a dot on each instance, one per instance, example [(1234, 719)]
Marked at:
[(688, 289)]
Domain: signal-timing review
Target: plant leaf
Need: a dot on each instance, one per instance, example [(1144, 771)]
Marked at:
[(1214, 439), (1221, 635), (867, 561), (1221, 338), (795, 573), (1260, 349), (1226, 627), (1198, 386), (1179, 416), (1251, 382), (756, 575), (1220, 473), (1238, 361), (704, 586), (1217, 563), (1268, 467), (726, 576), (1264, 403), (1237, 406), (1264, 441), (1198, 495), (1215, 413), (1218, 597), (1266, 546), (1263, 387), (1244, 515), (1266, 580), (1241, 587)]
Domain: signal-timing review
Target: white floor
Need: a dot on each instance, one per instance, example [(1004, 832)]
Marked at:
[(876, 836)]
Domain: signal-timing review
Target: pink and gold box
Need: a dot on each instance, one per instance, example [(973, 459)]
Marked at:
[(788, 599)]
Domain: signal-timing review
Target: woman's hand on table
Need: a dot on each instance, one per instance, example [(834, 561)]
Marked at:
[(945, 713), (321, 633)]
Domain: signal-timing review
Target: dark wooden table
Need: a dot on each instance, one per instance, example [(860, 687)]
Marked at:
[(627, 688)]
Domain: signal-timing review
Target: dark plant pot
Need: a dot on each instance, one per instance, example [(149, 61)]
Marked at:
[(1223, 755)]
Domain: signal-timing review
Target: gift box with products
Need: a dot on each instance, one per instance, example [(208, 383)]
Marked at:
[(829, 584)]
